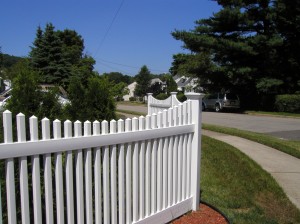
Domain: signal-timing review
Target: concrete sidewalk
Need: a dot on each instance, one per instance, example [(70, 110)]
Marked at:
[(284, 168)]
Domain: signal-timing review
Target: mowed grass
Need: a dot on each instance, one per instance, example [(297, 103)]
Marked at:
[(276, 114), (240, 188), (290, 147)]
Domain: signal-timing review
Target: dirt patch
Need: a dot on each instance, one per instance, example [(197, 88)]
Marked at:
[(205, 215)]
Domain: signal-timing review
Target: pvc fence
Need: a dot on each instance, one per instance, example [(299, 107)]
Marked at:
[(141, 170)]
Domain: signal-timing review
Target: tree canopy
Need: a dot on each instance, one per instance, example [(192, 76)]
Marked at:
[(246, 47), (58, 55), (143, 79)]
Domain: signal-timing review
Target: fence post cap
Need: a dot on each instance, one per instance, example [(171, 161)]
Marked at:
[(194, 96)]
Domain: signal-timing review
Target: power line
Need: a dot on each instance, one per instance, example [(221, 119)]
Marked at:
[(117, 69), (109, 27), (129, 66)]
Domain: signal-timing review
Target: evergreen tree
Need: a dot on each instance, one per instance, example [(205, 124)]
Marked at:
[(143, 79), (93, 102), (237, 48), (58, 56), (288, 25)]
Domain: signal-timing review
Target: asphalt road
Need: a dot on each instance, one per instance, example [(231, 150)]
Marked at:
[(286, 128)]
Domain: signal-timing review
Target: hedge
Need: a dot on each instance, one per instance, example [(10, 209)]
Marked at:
[(288, 103)]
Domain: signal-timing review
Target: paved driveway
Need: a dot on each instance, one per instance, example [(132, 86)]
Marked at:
[(286, 128)]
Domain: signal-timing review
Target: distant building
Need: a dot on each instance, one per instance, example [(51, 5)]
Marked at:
[(186, 83), (131, 88)]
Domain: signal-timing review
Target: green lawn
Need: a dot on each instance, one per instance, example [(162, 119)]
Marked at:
[(277, 114), (289, 147), (240, 188)]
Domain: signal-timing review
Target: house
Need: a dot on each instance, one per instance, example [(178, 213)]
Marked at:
[(132, 87), (184, 83)]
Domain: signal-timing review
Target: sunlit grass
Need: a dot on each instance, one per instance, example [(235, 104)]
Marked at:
[(287, 146), (240, 188)]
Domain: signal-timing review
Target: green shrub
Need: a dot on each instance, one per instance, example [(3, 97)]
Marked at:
[(132, 98), (288, 103), (161, 96), (181, 97)]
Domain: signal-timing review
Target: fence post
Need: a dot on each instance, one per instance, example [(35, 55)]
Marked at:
[(196, 100), (149, 101), (173, 96)]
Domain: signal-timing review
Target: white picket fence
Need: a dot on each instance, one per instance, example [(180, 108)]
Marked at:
[(155, 105), (141, 170)]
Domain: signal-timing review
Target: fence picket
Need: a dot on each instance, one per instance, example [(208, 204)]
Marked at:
[(189, 146), (97, 175), (79, 175), (23, 171), (165, 162), (170, 160), (159, 165), (47, 174), (180, 142), (121, 181), (113, 175), (58, 176), (10, 171), (106, 194), (175, 160), (153, 166), (69, 175), (142, 171), (135, 177), (184, 153), (128, 174), (148, 170), (36, 179), (88, 176)]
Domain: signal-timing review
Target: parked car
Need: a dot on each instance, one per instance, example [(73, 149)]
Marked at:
[(221, 101)]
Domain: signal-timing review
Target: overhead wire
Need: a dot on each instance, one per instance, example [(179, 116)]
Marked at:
[(109, 27), (130, 66)]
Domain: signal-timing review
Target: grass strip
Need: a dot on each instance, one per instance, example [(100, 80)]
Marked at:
[(276, 114), (131, 112), (240, 188), (290, 147)]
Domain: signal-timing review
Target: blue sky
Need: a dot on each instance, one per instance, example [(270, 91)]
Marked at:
[(139, 35)]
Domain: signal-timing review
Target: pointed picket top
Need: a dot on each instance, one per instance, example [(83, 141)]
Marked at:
[(141, 123), (148, 122), (77, 128), (67, 129), (135, 124), (113, 126), (7, 125), (6, 112), (104, 127), (96, 127), (21, 129), (45, 128), (121, 126), (20, 115), (56, 129), (127, 125), (87, 128), (33, 127)]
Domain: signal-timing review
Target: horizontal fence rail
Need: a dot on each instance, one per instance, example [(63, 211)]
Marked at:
[(135, 171)]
